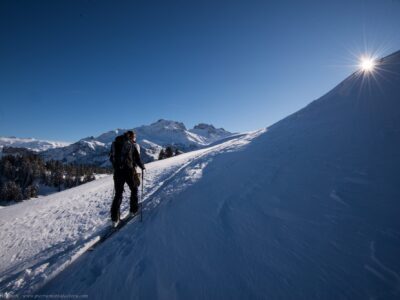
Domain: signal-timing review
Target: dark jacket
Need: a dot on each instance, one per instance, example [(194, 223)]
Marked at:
[(130, 156)]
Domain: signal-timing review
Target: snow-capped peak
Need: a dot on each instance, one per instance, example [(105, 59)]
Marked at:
[(109, 136), (168, 125), (204, 126), (209, 132)]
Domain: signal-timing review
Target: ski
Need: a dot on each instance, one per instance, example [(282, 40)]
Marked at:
[(110, 231)]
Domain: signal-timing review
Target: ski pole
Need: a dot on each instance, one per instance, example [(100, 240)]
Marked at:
[(141, 198)]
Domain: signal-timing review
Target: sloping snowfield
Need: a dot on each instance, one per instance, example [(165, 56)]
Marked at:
[(41, 237), (307, 210)]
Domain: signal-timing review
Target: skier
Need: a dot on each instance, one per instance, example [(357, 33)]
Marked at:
[(125, 156)]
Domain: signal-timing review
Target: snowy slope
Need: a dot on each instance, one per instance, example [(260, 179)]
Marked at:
[(309, 209), (152, 138), (30, 143), (41, 237)]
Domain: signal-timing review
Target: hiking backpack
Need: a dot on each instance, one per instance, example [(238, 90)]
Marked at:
[(116, 150)]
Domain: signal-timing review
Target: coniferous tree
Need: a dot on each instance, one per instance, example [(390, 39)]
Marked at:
[(21, 175), (169, 152), (57, 178), (177, 152), (12, 191), (161, 155), (31, 191)]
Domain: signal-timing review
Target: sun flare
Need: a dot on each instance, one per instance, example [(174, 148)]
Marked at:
[(367, 64)]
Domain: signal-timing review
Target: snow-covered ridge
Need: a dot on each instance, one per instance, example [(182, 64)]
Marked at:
[(30, 143)]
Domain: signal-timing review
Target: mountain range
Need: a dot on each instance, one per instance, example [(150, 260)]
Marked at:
[(31, 144), (152, 138)]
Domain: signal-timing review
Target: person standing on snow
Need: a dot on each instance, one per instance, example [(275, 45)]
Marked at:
[(125, 157)]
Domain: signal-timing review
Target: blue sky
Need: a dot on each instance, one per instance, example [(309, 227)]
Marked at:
[(70, 69)]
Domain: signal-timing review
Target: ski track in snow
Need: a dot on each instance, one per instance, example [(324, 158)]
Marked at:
[(41, 237), (337, 198), (381, 270)]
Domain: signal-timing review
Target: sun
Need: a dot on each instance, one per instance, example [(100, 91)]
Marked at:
[(367, 64)]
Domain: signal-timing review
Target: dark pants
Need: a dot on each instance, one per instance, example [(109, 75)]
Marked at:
[(120, 178)]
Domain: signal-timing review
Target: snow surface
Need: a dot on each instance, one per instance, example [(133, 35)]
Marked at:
[(41, 237), (307, 209)]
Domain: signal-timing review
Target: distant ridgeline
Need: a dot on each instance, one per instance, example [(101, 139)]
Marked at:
[(156, 141), (24, 174)]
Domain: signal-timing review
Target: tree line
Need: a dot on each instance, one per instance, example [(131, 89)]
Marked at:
[(168, 152), (22, 175)]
